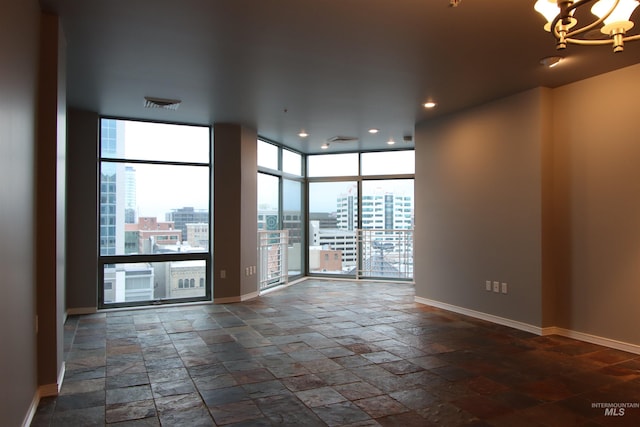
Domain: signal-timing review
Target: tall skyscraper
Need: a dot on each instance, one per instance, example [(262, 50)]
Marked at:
[(381, 210), (112, 188), (130, 210)]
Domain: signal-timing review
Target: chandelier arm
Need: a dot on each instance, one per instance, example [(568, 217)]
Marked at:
[(584, 42), (600, 42), (586, 28), (579, 3)]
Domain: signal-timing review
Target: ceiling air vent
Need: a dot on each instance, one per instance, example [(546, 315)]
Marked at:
[(339, 139), (167, 104)]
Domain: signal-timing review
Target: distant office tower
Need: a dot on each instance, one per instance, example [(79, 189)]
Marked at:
[(383, 210), (112, 188), (130, 214), (187, 215)]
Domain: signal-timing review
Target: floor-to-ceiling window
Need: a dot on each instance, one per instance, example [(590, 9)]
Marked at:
[(154, 213), (352, 192), (280, 199), (333, 220)]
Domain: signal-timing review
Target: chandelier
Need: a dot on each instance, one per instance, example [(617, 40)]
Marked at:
[(613, 15)]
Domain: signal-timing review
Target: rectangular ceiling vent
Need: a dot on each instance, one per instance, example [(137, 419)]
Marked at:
[(166, 104), (339, 139)]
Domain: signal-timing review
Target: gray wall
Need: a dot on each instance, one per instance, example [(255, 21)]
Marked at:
[(539, 190), (478, 207), (597, 175), (82, 216), (19, 23)]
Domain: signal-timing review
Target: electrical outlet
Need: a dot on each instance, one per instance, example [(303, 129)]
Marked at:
[(223, 274), (487, 285), (504, 287), (496, 286)]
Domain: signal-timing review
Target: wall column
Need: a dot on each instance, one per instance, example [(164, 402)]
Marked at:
[(50, 207), (235, 238)]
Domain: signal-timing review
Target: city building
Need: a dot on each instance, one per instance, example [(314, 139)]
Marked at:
[(187, 215), (129, 283), (149, 236), (525, 175), (198, 234), (383, 210), (112, 177), (130, 211), (339, 241)]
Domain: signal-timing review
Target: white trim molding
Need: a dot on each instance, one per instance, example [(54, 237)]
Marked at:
[(32, 410), (480, 315), (593, 339), (552, 330)]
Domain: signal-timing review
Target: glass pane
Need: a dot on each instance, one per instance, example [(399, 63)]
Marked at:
[(291, 162), (333, 215), (333, 165), (292, 221), (386, 245), (267, 155), (147, 208), (388, 163), (268, 202), (149, 281), (387, 204), (127, 139)]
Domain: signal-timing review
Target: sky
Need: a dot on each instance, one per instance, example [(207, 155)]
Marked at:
[(161, 188)]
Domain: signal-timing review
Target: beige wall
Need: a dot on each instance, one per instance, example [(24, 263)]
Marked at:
[(235, 244), (539, 190), (50, 204), (19, 29)]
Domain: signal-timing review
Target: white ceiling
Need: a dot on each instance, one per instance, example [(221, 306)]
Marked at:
[(330, 67)]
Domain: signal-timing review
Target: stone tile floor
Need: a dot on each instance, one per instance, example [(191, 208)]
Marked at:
[(333, 353)]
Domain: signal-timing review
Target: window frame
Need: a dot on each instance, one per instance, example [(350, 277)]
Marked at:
[(105, 260), (282, 176), (359, 179)]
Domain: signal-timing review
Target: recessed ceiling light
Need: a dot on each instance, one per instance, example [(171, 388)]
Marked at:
[(374, 130), (303, 134), (551, 61), (324, 146), (429, 104), (390, 142)]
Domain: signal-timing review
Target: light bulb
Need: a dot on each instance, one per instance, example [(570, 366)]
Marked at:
[(549, 9), (618, 20), (622, 12)]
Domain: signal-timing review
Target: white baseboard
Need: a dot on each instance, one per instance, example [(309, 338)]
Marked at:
[(63, 370), (483, 316), (32, 410), (552, 330), (593, 339)]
